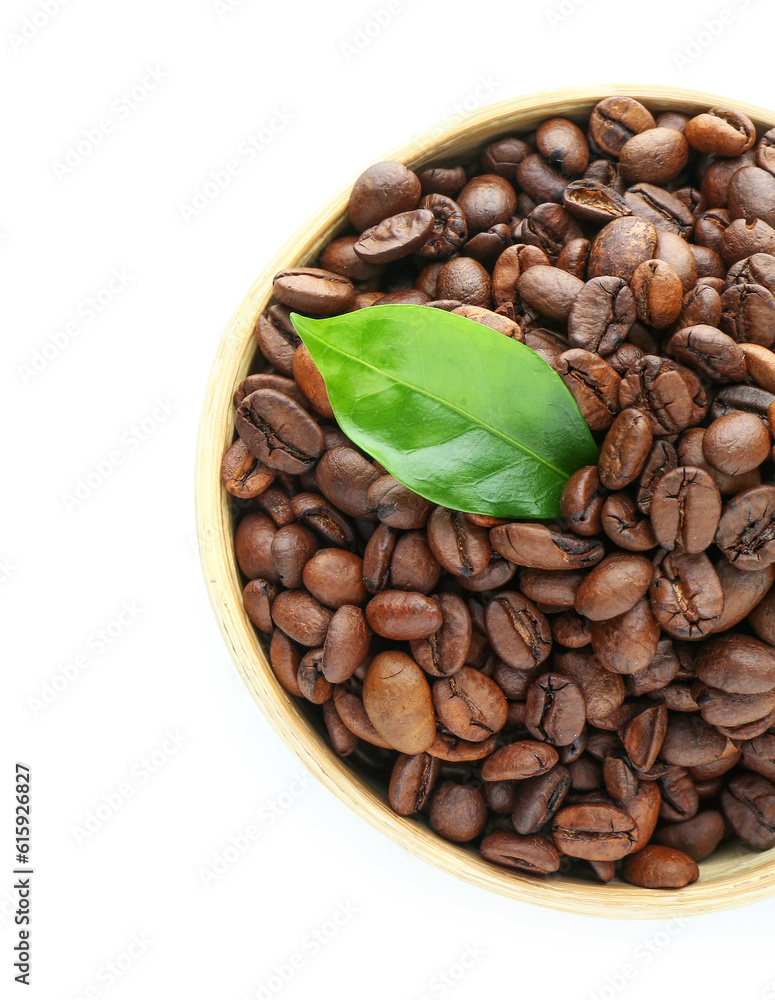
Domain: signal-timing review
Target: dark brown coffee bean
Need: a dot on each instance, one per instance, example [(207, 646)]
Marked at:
[(603, 690), (340, 257), (461, 547), (470, 705), (396, 237), (738, 664), (744, 239), (762, 617), (698, 837), (312, 684), (538, 799), (292, 548), (700, 307), (574, 258), (301, 617), (760, 365), (643, 737), (523, 759), (680, 799), (625, 449), (554, 589), (563, 145), (592, 201), (736, 443), (384, 189), (412, 782), (486, 201), (344, 477), (674, 250), (343, 741), (655, 156), (549, 290), (454, 750), (615, 120), (730, 710), (398, 701), (466, 280), (539, 547), (398, 614), (667, 213), (258, 598), (313, 290), (444, 653), (662, 669), (324, 518), (686, 595), (690, 741), (458, 812), (759, 755), (746, 533), (267, 380), (518, 631), (625, 525), (751, 195), (746, 398), (759, 269), (347, 644), (601, 315), (658, 293), (397, 505), (449, 231), (644, 807), (722, 132), (661, 460), (334, 577), (253, 548), (279, 432), (749, 805), (628, 642), (593, 384), (285, 658), (556, 710), (277, 338), (685, 510), (503, 156), (570, 629), (243, 475), (377, 558), (539, 180), (614, 586), (710, 351), (597, 832), (660, 867), (531, 854), (448, 181), (277, 504), (742, 593), (671, 396), (545, 232), (621, 246), (582, 501)]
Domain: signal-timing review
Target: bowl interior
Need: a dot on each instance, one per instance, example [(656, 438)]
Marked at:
[(734, 875)]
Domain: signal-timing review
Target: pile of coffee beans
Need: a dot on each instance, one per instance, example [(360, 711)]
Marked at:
[(597, 691)]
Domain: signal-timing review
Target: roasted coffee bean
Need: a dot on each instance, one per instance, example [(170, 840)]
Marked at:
[(661, 459), (538, 799), (520, 760), (582, 501), (279, 432), (621, 246), (621, 781), (277, 338), (397, 505), (292, 548), (603, 690), (615, 120), (644, 807), (667, 213), (759, 755), (458, 812), (346, 645), (461, 547), (685, 509), (625, 525), (285, 658), (555, 589), (690, 452), (353, 715), (465, 280), (671, 396), (531, 854), (601, 315), (660, 867), (742, 593), (396, 237), (449, 231), (313, 290), (680, 800), (759, 269), (643, 737), (470, 705), (384, 189), (340, 257), (614, 586), (628, 642), (593, 384), (413, 566), (710, 351), (503, 156), (486, 201), (737, 664), (563, 145), (655, 156), (675, 251), (343, 741), (398, 701), (760, 365), (570, 629), (539, 180), (444, 652), (253, 548), (310, 381), (495, 321), (730, 710), (690, 741), (344, 477), (518, 631), (398, 614), (301, 617), (748, 802), (762, 617), (698, 837), (324, 518), (312, 684), (335, 578), (412, 782), (746, 398), (686, 596), (555, 710), (625, 449), (448, 181), (721, 131), (243, 475), (539, 547), (258, 597), (751, 195), (658, 293), (594, 202), (545, 232), (736, 443), (596, 832), (701, 306), (267, 380), (549, 290), (742, 239), (746, 532)]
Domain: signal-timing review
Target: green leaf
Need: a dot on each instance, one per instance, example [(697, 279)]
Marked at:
[(459, 413)]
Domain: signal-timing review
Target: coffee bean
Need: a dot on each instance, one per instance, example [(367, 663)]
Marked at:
[(466, 280), (538, 799), (593, 384), (621, 246), (412, 782), (563, 145), (743, 239), (690, 741), (736, 443), (656, 156), (253, 548), (625, 449), (556, 710), (615, 120), (531, 854), (685, 509), (597, 832), (721, 131), (686, 595), (258, 597), (680, 799), (746, 532), (461, 547), (644, 735), (444, 652), (470, 705), (545, 232), (627, 642), (549, 290), (539, 180), (335, 578), (582, 501), (518, 631), (538, 546), (749, 806), (448, 181), (644, 807), (743, 593), (658, 293), (660, 867), (603, 690), (760, 365), (324, 518), (593, 201), (340, 257), (343, 741), (601, 315), (398, 701), (458, 812), (384, 189), (520, 760), (625, 525), (666, 212), (279, 432), (313, 290), (398, 614), (243, 475), (710, 351), (552, 589), (292, 548), (346, 645), (671, 396), (698, 837), (614, 586), (396, 237)]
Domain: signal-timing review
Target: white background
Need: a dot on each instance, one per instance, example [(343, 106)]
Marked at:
[(68, 567)]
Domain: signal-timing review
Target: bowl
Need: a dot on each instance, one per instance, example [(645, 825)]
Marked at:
[(734, 876)]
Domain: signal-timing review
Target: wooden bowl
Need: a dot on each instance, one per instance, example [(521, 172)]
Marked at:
[(734, 876)]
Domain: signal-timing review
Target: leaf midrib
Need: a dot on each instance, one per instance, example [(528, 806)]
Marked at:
[(451, 406)]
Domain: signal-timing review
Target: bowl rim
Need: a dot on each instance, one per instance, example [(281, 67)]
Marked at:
[(737, 876)]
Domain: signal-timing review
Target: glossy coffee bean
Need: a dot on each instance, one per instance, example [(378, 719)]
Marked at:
[(458, 812), (555, 710), (627, 642), (461, 547), (530, 854), (398, 701), (470, 705), (518, 631), (243, 475), (382, 190), (403, 615), (745, 534), (412, 782), (292, 548), (685, 509), (614, 586), (594, 385), (444, 652), (660, 867), (736, 443), (597, 832), (520, 760), (686, 595), (465, 280), (721, 131), (538, 799), (279, 432), (626, 448), (615, 120)]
